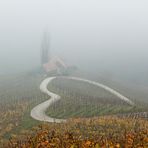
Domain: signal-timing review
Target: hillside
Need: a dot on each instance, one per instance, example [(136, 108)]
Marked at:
[(19, 94), (81, 99), (103, 132)]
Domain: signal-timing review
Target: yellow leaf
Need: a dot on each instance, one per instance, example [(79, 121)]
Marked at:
[(97, 146)]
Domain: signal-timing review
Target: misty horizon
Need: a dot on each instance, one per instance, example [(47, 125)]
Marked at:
[(111, 35)]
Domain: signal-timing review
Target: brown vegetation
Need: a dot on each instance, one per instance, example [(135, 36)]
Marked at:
[(104, 132)]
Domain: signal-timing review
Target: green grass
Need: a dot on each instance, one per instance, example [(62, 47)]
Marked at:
[(22, 90), (80, 99)]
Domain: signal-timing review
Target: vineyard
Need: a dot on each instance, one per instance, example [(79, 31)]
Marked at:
[(103, 132), (81, 99), (17, 96), (90, 111)]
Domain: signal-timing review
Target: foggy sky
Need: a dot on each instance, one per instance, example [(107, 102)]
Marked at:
[(105, 36)]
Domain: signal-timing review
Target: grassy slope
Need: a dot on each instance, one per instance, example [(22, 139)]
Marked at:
[(136, 92), (18, 95), (17, 92), (23, 92), (80, 99)]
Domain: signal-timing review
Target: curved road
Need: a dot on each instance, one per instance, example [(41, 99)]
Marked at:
[(38, 112)]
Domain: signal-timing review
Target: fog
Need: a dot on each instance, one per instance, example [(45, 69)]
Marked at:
[(107, 36)]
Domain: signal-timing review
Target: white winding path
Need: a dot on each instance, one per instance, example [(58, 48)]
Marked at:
[(38, 112)]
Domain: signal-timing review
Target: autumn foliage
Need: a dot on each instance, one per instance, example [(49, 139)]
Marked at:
[(103, 132)]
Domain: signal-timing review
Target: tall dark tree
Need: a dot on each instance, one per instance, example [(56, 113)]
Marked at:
[(45, 48)]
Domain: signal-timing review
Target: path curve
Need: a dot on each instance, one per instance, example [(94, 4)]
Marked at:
[(38, 112)]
